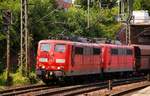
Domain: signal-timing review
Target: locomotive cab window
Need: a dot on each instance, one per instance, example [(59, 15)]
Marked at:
[(60, 48), (114, 51), (129, 52), (96, 51), (78, 50), (122, 51), (45, 47), (87, 50)]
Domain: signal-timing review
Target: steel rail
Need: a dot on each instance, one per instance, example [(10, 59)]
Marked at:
[(40, 90), (24, 89), (80, 89), (131, 89)]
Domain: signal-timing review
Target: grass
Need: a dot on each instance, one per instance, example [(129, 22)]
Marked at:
[(17, 79), (3, 78)]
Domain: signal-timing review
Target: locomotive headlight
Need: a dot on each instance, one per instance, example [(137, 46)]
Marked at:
[(61, 67), (43, 67), (58, 68), (51, 73)]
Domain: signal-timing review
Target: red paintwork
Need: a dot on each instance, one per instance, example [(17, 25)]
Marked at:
[(52, 55), (79, 65), (116, 63), (86, 64), (145, 56)]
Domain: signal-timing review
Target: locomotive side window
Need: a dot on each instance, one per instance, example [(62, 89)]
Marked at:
[(122, 51), (114, 51), (60, 48), (78, 50), (96, 51), (87, 50), (45, 47), (129, 52)]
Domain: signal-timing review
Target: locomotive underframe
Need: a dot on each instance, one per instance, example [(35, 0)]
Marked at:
[(50, 74)]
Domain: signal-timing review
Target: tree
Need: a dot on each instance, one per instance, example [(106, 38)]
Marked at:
[(146, 5), (137, 4)]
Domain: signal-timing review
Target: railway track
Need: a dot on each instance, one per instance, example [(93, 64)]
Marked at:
[(42, 90), (71, 90), (81, 89), (121, 88), (22, 90), (130, 88)]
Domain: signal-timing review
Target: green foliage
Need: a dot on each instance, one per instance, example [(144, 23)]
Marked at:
[(146, 5), (32, 78), (137, 4), (19, 79), (3, 78), (96, 3), (142, 5), (2, 37)]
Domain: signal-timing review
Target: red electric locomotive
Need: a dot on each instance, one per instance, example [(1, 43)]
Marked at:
[(117, 58), (59, 59), (125, 59)]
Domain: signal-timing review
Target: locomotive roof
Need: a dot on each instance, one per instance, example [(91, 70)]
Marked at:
[(120, 46), (68, 42), (54, 41), (86, 44)]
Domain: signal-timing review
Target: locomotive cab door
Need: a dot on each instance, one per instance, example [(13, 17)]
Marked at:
[(137, 55), (60, 51)]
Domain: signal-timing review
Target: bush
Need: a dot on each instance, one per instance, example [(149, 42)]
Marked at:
[(32, 77), (19, 79), (3, 78)]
